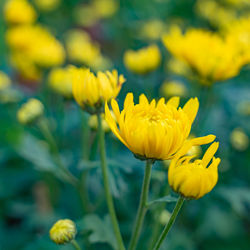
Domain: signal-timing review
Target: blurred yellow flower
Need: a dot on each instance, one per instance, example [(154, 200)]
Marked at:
[(152, 130), (80, 47), (19, 12), (217, 14), (105, 8), (85, 15), (194, 179), (178, 67), (47, 5), (207, 54), (152, 29), (244, 108), (30, 111), (25, 66), (238, 33), (90, 90), (63, 231), (101, 63), (239, 139), (173, 88), (143, 60), (60, 80), (37, 44), (93, 123), (5, 81)]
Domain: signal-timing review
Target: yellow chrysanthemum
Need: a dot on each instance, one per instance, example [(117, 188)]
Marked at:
[(5, 81), (30, 111), (239, 139), (80, 47), (37, 44), (60, 80), (152, 29), (143, 60), (238, 33), (19, 12), (105, 8), (152, 130), (47, 5), (63, 231), (194, 179), (173, 88), (91, 90), (207, 54)]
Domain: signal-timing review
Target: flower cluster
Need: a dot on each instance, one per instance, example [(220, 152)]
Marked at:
[(211, 57), (143, 60)]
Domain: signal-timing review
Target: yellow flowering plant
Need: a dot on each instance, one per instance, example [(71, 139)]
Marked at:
[(210, 56), (143, 60), (153, 131), (19, 12), (91, 91)]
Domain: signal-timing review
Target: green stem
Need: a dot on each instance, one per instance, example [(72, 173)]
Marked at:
[(142, 206), (76, 245), (108, 195), (170, 222), (44, 127)]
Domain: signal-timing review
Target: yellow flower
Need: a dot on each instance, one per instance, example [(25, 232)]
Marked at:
[(19, 12), (207, 54), (239, 139), (63, 231), (37, 44), (105, 8), (25, 66), (60, 80), (47, 5), (238, 33), (90, 90), (216, 13), (173, 88), (80, 47), (152, 130), (4, 81), (143, 60), (152, 29), (30, 111), (194, 179)]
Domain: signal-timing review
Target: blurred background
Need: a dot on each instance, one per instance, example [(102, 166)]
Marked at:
[(38, 39)]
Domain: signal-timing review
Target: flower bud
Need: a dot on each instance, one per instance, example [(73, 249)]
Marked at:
[(63, 231), (30, 111)]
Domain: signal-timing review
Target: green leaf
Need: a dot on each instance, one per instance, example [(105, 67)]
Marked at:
[(101, 229), (166, 199), (37, 152)]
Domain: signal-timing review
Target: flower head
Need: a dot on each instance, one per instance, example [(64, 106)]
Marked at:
[(47, 5), (5, 81), (91, 90), (63, 231), (143, 60), (194, 179), (60, 81), (19, 12), (30, 111), (152, 130), (207, 54), (173, 88)]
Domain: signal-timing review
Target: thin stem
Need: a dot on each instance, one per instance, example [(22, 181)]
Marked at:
[(170, 222), (108, 195), (142, 207), (76, 245), (44, 127)]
